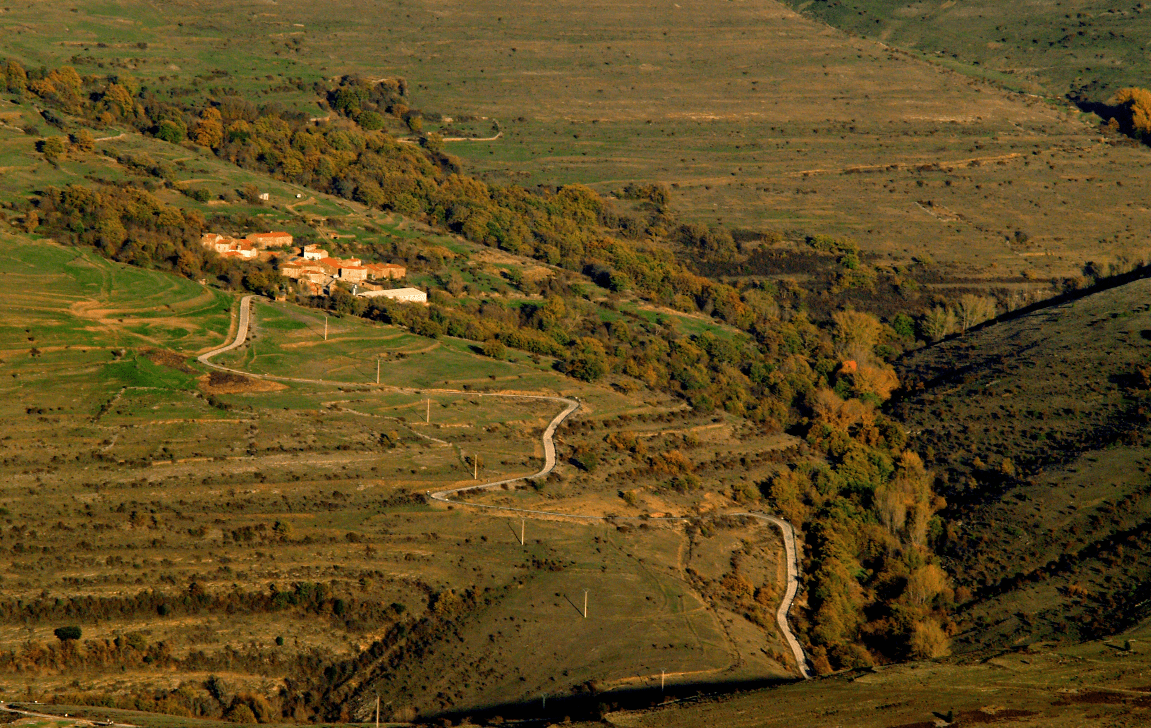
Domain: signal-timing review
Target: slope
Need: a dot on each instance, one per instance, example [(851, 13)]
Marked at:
[(1097, 683), (755, 115), (1091, 47), (1036, 428)]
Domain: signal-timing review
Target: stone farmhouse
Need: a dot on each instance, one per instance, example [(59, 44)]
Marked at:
[(407, 295), (247, 248), (319, 270)]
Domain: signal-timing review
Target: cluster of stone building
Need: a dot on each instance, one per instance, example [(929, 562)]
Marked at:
[(314, 268), (314, 264), (248, 247)]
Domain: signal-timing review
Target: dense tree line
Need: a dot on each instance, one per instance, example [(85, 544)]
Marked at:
[(131, 225), (309, 598)]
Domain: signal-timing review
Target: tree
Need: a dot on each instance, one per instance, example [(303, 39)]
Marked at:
[(1135, 110), (938, 323), (370, 121), (928, 640), (171, 131), (972, 310), (495, 349), (856, 334), (588, 360), (903, 326), (209, 128), (924, 583), (52, 148), (65, 634), (433, 142), (83, 141), (15, 78), (250, 193), (118, 100)]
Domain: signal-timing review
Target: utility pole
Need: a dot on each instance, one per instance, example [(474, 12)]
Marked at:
[(377, 370), (377, 711), (662, 676), (325, 328), (428, 415), (523, 521), (585, 603), (475, 467)]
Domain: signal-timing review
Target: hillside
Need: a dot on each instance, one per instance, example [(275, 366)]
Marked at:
[(1036, 429), (1096, 683), (754, 115), (1086, 49), (263, 532), (773, 268)]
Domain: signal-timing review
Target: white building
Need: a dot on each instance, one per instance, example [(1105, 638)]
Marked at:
[(407, 295)]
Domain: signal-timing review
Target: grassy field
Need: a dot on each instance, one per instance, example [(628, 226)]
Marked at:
[(609, 93)]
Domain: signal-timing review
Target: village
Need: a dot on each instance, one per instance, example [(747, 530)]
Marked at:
[(314, 269)]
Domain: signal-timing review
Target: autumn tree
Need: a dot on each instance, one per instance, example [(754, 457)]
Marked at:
[(83, 140), (856, 334), (208, 131), (15, 78), (928, 640), (973, 310), (1134, 110), (925, 583), (52, 148), (938, 323)]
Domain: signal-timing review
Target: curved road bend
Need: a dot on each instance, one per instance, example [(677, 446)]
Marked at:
[(570, 406)]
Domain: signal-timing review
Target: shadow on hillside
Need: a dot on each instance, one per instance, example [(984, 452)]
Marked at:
[(585, 703), (1137, 273), (1116, 118)]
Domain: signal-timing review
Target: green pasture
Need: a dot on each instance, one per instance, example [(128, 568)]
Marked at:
[(296, 347), (65, 296)]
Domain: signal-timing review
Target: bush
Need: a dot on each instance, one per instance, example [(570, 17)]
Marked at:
[(494, 349), (370, 121), (52, 148), (64, 634), (171, 131)]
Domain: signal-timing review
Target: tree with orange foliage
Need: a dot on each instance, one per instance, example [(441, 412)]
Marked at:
[(1134, 106)]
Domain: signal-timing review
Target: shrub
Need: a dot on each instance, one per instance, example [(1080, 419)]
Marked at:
[(171, 131), (64, 634)]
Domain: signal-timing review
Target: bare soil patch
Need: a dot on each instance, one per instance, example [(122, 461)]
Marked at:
[(229, 383)]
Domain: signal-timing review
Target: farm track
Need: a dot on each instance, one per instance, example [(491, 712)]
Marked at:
[(569, 407)]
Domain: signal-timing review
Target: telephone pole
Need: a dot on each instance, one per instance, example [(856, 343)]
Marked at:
[(662, 676), (523, 521), (428, 415), (377, 370), (377, 711), (475, 467), (585, 603), (325, 328)]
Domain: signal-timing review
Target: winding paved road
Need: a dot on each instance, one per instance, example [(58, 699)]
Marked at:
[(570, 406)]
